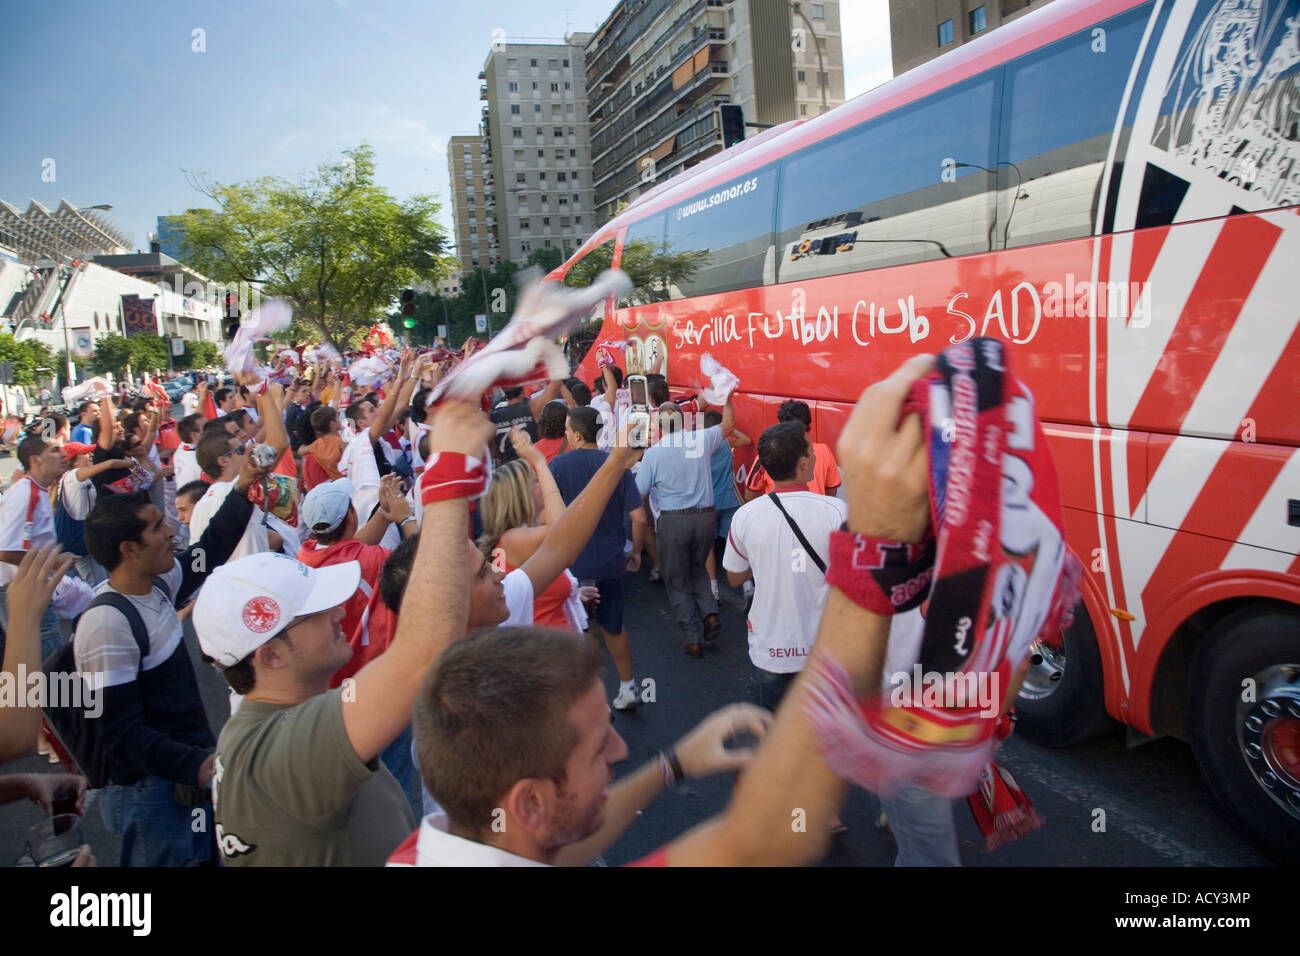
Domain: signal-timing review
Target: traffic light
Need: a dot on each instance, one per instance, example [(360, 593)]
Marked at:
[(230, 317), (732, 121), (408, 308)]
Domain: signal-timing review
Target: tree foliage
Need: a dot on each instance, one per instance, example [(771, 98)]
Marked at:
[(28, 356), (334, 243), (112, 355), (198, 355)]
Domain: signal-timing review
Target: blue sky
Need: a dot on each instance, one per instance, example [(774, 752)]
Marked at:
[(116, 95)]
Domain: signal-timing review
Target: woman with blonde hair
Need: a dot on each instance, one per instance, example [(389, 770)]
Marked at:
[(521, 503)]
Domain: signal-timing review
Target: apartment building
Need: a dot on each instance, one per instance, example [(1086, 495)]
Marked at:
[(536, 148), (657, 70), (469, 175), (920, 30)]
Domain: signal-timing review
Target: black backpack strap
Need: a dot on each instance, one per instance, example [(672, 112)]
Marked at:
[(817, 560), (123, 605)]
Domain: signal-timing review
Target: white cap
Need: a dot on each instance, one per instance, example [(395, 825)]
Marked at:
[(326, 505), (245, 603)]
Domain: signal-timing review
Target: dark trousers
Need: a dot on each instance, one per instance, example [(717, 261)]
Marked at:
[(685, 538), (766, 689)]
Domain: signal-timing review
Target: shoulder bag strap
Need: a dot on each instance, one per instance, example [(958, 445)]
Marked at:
[(821, 565)]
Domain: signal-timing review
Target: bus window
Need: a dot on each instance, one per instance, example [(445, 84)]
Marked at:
[(900, 188), (645, 262), (719, 240), (1059, 106)]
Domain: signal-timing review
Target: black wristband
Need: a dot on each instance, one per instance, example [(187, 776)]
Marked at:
[(670, 754)]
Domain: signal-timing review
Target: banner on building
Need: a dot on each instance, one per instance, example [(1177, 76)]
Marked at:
[(83, 343), (138, 315)]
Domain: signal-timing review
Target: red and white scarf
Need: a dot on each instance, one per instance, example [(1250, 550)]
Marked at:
[(991, 570)]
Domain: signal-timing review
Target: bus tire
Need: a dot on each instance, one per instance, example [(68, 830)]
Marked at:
[(1248, 751), (1062, 702)]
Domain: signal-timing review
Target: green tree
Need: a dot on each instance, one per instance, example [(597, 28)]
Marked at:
[(112, 355), (198, 355), (546, 259), (28, 357), (148, 353), (334, 243)]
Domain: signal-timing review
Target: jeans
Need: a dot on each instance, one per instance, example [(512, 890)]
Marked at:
[(766, 689), (51, 633), (398, 758), (923, 827), (155, 829)]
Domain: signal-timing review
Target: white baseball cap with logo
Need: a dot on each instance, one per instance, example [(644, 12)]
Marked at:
[(326, 505), (245, 603)]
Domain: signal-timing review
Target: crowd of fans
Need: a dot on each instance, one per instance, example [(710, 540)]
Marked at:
[(333, 544)]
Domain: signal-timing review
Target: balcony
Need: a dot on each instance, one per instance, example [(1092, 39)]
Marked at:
[(482, 92), (482, 74)]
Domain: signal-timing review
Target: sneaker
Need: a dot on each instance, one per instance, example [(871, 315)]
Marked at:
[(655, 576), (626, 699)]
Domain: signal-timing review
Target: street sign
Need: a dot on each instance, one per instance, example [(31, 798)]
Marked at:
[(480, 323), (178, 346)]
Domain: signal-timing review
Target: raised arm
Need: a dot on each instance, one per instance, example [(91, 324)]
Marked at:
[(388, 410), (552, 391), (28, 595), (435, 608), (885, 472), (107, 419), (569, 535), (269, 410)]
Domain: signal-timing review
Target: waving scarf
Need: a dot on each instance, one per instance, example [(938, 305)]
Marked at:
[(991, 570)]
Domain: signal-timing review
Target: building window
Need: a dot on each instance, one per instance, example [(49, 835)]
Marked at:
[(547, 243), (525, 245), (819, 11), (512, 64), (559, 155), (555, 87), (516, 132), (803, 109), (521, 178), (566, 64), (568, 85), (559, 133), (575, 179), (535, 87), (731, 14), (577, 220), (537, 107), (542, 175), (562, 177), (546, 220), (514, 109), (532, 62), (802, 76), (824, 79), (552, 64), (945, 33), (977, 22), (573, 152), (519, 156), (541, 154)]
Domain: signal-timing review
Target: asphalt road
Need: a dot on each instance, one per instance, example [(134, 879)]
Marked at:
[(1157, 812)]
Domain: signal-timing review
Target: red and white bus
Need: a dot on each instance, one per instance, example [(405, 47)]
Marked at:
[(1112, 186)]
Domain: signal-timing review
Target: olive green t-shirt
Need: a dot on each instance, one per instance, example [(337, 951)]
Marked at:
[(289, 790)]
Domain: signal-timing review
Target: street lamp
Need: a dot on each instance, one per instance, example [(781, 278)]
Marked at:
[(821, 71), (58, 258)]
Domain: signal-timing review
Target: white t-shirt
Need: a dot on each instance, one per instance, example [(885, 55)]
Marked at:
[(519, 598), (789, 588), (254, 540), (78, 497), (104, 643), (435, 845), (16, 534), (185, 461), (189, 402), (611, 421)]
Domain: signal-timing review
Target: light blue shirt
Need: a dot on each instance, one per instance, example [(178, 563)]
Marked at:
[(678, 468)]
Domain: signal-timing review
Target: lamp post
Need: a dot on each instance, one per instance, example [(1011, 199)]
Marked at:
[(1006, 230), (58, 258), (821, 72)]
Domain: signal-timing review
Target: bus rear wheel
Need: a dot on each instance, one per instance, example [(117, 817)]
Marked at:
[(1244, 723), (1062, 701)]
